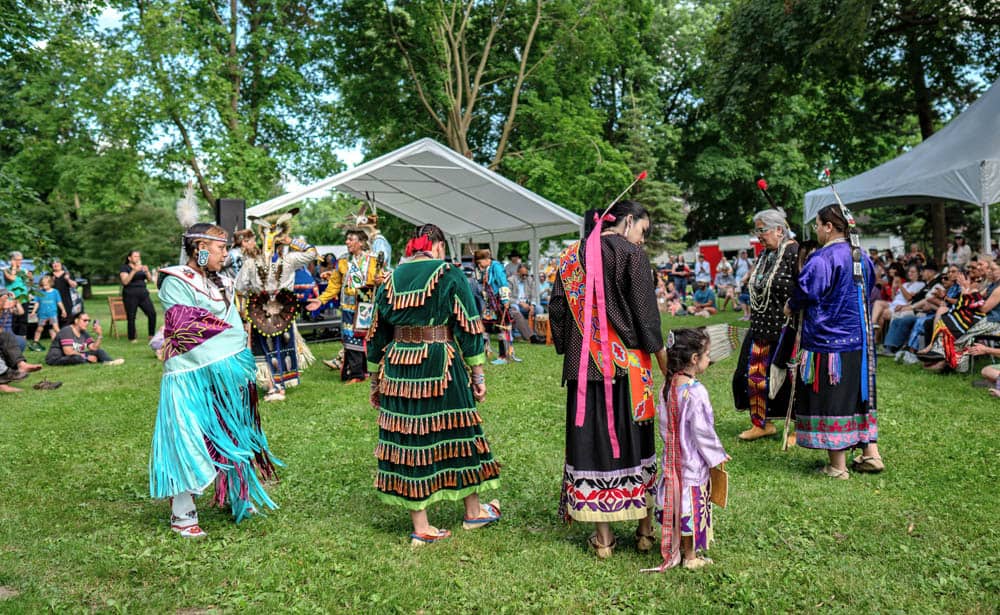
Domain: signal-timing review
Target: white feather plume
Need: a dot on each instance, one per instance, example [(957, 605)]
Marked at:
[(187, 208)]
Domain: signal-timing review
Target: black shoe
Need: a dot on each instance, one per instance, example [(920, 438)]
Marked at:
[(12, 375), (537, 339)]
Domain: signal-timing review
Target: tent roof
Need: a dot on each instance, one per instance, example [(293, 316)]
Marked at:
[(960, 162), (428, 182)]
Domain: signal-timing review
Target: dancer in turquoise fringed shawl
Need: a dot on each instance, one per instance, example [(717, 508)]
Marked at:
[(207, 426)]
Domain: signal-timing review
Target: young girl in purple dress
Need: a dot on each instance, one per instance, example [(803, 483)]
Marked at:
[(690, 448)]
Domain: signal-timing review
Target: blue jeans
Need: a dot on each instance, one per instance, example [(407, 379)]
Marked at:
[(918, 330), (899, 332)]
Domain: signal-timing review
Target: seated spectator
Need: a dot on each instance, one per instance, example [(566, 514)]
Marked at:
[(544, 290), (671, 299), (520, 287), (13, 366), (991, 373), (73, 344), (704, 301), (900, 338), (976, 313), (10, 309), (725, 284), (903, 292)]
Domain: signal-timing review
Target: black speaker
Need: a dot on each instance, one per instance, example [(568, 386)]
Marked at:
[(231, 214)]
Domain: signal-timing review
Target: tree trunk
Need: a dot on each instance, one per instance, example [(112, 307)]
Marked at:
[(925, 116)]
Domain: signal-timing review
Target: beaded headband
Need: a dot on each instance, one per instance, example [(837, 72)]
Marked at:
[(205, 236)]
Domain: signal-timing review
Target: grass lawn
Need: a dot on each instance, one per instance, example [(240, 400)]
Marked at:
[(78, 531)]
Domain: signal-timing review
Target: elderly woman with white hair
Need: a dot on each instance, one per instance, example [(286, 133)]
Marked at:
[(770, 285)]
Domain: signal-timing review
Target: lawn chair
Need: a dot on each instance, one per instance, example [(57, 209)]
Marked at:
[(117, 308), (993, 341)]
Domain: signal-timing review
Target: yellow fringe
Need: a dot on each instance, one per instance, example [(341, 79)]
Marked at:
[(423, 488)]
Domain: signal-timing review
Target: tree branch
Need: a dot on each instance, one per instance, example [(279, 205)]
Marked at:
[(487, 47), (508, 124), (413, 73)]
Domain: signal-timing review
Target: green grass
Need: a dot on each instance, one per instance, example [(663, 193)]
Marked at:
[(79, 533)]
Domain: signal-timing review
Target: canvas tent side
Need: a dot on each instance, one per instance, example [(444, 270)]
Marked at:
[(426, 182), (960, 162)]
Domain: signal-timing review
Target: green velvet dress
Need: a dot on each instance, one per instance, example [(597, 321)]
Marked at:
[(430, 442)]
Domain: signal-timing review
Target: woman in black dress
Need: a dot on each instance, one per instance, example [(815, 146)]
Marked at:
[(610, 455), (134, 276)]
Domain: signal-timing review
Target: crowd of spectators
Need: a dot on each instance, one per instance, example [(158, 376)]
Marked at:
[(943, 318), (682, 290)]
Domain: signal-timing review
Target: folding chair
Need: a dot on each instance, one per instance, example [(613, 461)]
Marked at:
[(117, 308)]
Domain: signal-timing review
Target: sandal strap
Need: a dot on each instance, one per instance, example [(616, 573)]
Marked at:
[(437, 534), (492, 514)]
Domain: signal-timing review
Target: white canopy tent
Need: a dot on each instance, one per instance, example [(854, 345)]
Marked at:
[(428, 182), (960, 162)]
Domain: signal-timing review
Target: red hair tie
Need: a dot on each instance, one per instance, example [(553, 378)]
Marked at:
[(422, 243)]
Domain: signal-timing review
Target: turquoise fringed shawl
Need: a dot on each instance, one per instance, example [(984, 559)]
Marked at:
[(209, 406)]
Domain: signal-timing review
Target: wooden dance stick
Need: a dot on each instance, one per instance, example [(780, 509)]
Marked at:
[(793, 366)]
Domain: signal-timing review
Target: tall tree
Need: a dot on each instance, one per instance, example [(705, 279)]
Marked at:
[(229, 90), (862, 79)]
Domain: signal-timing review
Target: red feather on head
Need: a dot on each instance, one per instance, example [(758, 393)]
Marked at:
[(762, 183)]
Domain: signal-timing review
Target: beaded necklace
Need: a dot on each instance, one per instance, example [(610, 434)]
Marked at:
[(760, 298)]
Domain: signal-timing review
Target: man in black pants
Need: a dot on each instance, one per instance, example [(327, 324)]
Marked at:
[(13, 366)]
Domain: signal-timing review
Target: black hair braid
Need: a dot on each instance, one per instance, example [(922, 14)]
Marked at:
[(687, 342)]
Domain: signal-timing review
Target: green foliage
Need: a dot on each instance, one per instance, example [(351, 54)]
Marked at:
[(17, 203), (80, 533), (790, 88)]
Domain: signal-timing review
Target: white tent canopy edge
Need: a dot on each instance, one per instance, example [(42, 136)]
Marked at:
[(960, 162), (426, 182)]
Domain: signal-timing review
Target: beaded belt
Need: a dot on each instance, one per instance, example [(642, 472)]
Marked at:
[(417, 335)]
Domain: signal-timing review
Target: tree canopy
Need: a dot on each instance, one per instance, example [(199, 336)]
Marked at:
[(109, 108)]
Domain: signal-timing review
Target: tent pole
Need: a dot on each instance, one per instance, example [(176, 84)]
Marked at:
[(535, 268), (986, 229)]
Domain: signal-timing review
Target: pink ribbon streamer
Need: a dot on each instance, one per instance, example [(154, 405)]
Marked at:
[(594, 291)]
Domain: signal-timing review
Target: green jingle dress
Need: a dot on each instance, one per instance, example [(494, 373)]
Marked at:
[(430, 442)]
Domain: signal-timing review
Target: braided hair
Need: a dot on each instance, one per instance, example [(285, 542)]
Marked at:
[(682, 345)]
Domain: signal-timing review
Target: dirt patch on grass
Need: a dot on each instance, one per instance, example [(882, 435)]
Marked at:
[(6, 593)]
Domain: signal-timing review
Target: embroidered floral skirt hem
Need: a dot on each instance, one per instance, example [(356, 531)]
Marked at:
[(433, 448), (596, 487), (831, 413)]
